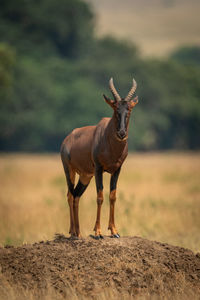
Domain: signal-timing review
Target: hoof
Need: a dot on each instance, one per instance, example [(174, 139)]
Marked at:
[(115, 236), (97, 237), (73, 237)]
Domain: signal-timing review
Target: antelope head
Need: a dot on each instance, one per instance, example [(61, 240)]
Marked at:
[(122, 109)]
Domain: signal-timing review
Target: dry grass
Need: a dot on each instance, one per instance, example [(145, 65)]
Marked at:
[(158, 198), (11, 292), (157, 26)]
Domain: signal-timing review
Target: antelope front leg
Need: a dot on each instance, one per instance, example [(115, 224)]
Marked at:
[(99, 186), (112, 198)]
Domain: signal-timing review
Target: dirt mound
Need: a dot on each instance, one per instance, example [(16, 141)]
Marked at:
[(131, 264)]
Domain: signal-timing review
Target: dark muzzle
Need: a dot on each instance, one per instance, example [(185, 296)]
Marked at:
[(121, 134)]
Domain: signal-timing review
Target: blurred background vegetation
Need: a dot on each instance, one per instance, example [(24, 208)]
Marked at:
[(54, 70)]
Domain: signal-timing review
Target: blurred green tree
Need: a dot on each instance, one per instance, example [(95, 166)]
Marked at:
[(53, 72), (187, 55), (46, 27)]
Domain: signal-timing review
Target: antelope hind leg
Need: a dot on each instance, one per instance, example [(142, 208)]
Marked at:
[(78, 191)]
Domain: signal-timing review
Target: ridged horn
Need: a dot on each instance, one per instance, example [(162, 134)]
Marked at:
[(114, 91), (132, 91)]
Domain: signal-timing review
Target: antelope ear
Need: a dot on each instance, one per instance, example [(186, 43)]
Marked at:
[(133, 102), (109, 101)]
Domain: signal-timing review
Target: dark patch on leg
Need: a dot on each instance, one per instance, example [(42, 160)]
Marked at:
[(114, 178), (79, 190)]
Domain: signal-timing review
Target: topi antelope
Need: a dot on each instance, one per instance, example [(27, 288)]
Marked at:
[(93, 150)]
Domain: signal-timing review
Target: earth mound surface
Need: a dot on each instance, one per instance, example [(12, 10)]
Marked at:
[(131, 265)]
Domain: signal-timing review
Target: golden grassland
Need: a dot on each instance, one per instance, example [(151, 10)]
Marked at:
[(157, 26), (17, 293), (158, 198)]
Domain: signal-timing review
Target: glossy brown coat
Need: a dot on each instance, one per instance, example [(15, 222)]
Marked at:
[(90, 151)]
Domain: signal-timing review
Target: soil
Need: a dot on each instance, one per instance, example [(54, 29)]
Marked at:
[(131, 264)]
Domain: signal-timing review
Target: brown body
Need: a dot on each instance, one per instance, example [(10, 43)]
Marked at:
[(92, 150)]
